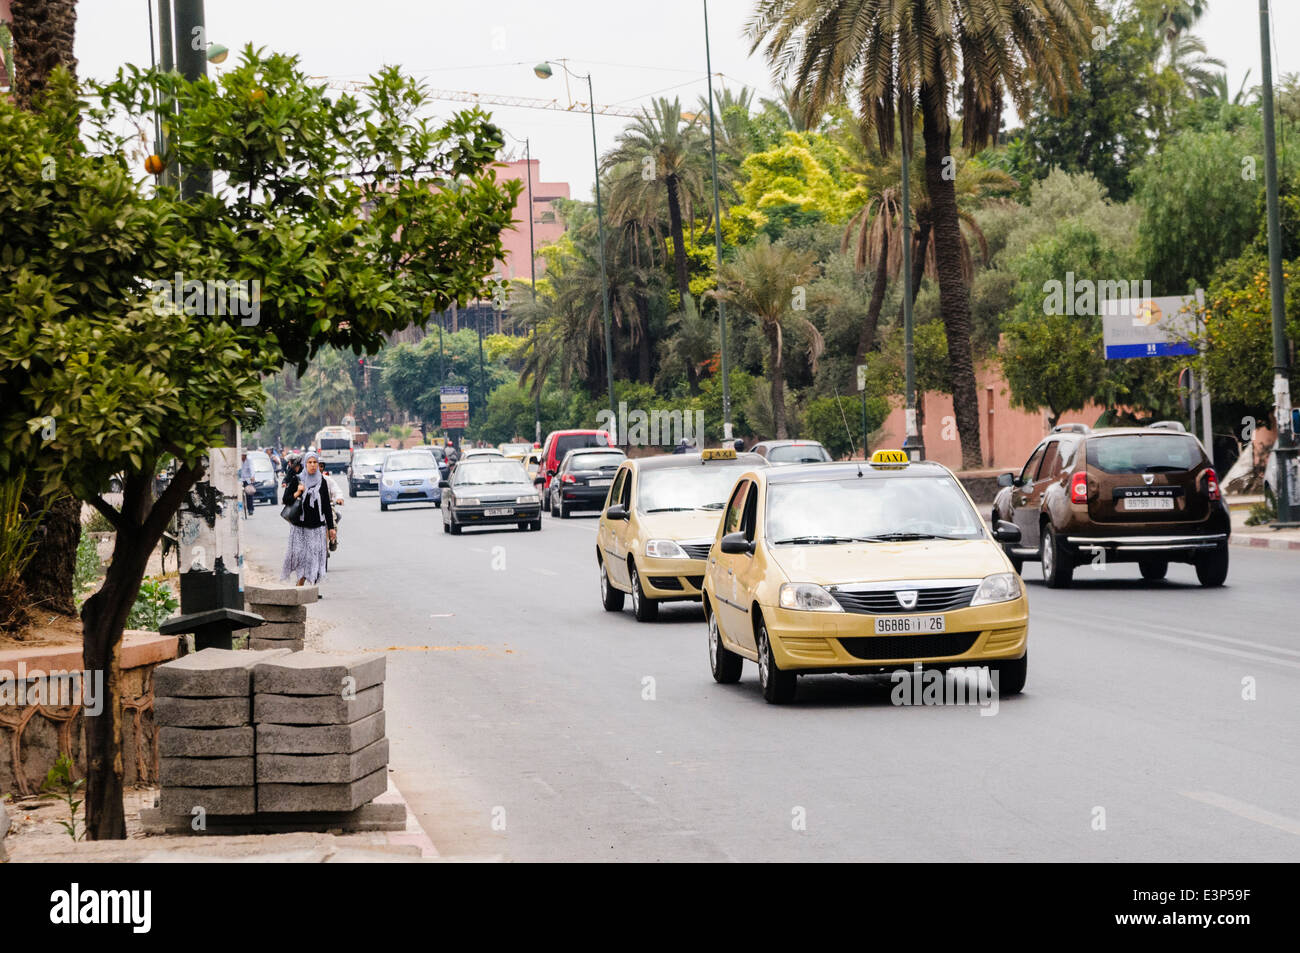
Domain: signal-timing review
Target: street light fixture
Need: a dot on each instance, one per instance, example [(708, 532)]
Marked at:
[(217, 53), (543, 71)]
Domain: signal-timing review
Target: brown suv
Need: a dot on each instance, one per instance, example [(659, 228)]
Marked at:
[(1145, 495)]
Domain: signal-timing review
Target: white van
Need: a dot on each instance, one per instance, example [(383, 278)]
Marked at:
[(334, 449)]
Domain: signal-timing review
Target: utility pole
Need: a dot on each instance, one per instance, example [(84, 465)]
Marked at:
[(1285, 447), (192, 60), (532, 272), (717, 238)]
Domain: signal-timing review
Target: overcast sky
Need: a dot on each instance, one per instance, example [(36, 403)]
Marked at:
[(634, 49)]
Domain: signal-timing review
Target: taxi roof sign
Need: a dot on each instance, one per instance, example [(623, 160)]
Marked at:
[(889, 457), (718, 453)]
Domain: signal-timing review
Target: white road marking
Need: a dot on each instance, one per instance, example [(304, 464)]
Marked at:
[(1136, 629), (1249, 811)]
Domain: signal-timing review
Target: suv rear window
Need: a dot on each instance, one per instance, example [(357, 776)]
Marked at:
[(578, 442), (1143, 453), (594, 461)]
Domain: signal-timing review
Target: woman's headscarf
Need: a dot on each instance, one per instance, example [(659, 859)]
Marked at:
[(312, 483)]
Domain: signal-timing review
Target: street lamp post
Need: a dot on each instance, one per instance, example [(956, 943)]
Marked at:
[(1284, 449), (717, 236), (532, 277), (914, 441), (543, 71)]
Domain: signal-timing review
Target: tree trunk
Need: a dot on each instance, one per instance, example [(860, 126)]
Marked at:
[(778, 382), (103, 619), (645, 371), (43, 32), (48, 577), (867, 337), (679, 241), (954, 297)]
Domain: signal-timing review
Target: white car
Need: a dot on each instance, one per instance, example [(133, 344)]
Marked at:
[(482, 452)]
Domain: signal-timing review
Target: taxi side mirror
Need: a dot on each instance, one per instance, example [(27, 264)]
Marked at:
[(1005, 532), (1006, 479), (616, 512), (736, 544)]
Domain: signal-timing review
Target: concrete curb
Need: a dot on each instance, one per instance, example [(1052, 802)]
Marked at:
[(1259, 541), (414, 834)]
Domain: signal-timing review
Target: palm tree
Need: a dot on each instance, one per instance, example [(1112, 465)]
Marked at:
[(43, 34), (673, 150), (792, 105), (1195, 68), (761, 282), (894, 56)]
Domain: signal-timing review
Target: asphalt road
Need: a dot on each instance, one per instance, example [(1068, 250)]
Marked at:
[(528, 723)]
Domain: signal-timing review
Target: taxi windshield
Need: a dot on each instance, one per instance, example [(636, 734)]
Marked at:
[(871, 510), (702, 486)]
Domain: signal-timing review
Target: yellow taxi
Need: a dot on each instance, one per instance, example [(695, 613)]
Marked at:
[(861, 567), (660, 518)]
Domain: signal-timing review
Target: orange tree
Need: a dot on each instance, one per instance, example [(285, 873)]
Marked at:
[(357, 217)]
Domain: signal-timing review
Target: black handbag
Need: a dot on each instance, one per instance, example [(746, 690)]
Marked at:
[(292, 511)]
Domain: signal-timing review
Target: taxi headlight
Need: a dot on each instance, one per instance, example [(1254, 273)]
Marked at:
[(466, 501), (1000, 587), (664, 549), (805, 595), (530, 498)]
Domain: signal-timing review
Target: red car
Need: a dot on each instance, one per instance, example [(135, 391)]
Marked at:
[(560, 442)]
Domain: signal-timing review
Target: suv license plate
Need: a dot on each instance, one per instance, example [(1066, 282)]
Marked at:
[(910, 624), (1147, 503), (507, 511)]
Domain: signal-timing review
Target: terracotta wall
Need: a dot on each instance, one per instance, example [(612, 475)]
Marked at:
[(1015, 432), (545, 232)]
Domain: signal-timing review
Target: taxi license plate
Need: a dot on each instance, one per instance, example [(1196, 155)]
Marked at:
[(599, 482), (910, 624), (506, 511), (1148, 503)]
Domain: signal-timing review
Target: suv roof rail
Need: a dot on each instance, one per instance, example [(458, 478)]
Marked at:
[(1173, 425), (1071, 428)]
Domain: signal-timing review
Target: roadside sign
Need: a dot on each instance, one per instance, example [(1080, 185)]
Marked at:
[(862, 377), (1149, 327), (454, 399)]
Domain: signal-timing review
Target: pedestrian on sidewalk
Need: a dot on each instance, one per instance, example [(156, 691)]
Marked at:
[(247, 483), (311, 533)]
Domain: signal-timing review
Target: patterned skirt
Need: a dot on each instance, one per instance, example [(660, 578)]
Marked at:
[(305, 557)]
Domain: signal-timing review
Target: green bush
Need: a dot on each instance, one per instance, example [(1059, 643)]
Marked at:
[(87, 571), (154, 604), (824, 420)]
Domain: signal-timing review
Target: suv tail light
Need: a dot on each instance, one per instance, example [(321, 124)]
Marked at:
[(1079, 488), (1212, 484)]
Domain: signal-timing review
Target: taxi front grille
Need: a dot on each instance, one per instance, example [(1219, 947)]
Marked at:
[(696, 550), (888, 647), (885, 601)]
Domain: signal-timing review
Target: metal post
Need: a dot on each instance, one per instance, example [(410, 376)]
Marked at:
[(604, 281), (1284, 448), (168, 61), (1203, 379), (532, 271), (717, 239), (192, 60), (914, 442)]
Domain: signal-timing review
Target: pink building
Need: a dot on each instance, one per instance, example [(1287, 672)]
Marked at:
[(1007, 434), (547, 225)]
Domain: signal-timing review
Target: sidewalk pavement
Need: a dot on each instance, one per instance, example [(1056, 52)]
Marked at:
[(1261, 537)]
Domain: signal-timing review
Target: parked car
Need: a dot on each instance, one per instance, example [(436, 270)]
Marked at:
[(487, 491), (363, 472), (583, 480), (1125, 494), (560, 442), (267, 489), (778, 452), (410, 476)]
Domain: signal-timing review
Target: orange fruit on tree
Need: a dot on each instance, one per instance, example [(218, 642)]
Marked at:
[(154, 164)]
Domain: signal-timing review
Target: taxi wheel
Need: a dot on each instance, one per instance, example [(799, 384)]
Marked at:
[(1153, 569), (610, 598), (645, 608), (778, 686), (1011, 675), (725, 664), (1212, 570), (1058, 567)]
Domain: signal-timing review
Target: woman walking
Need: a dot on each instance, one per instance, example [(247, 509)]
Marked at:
[(311, 533)]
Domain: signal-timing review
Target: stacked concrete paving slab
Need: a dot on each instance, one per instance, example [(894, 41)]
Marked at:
[(320, 732), (285, 612), (202, 706)]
